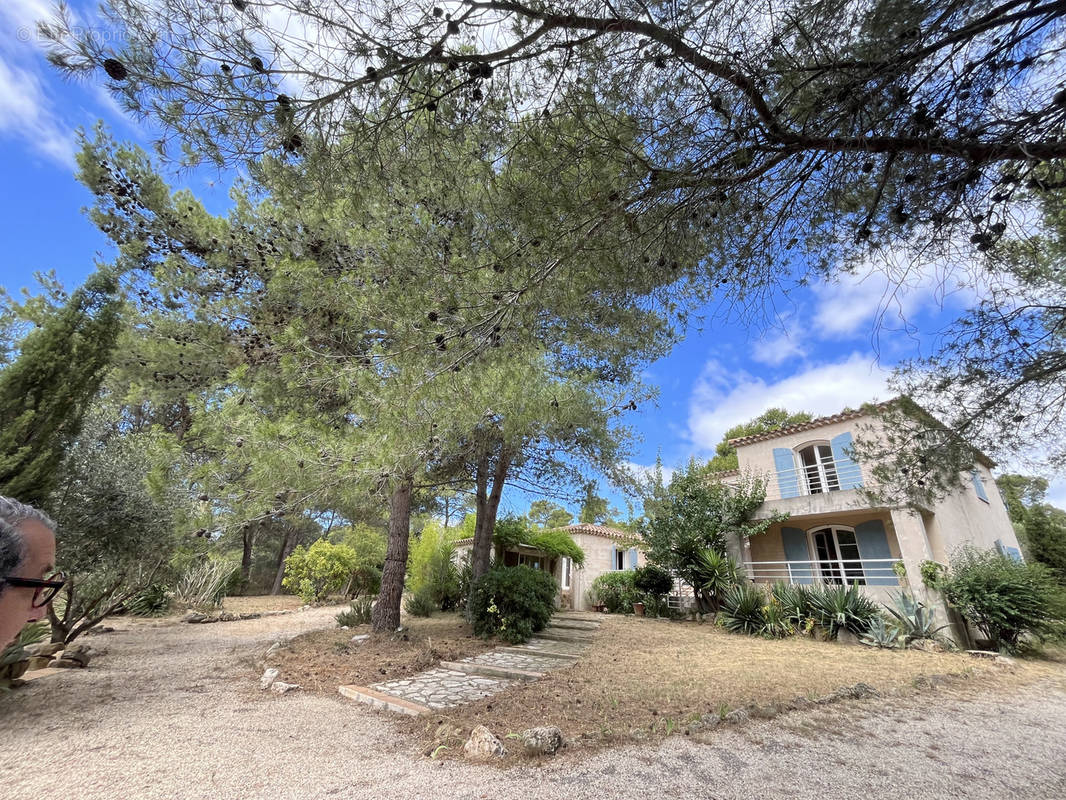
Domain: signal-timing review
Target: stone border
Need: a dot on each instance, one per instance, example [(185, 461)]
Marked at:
[(377, 699)]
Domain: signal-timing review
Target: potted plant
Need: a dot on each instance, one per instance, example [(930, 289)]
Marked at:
[(638, 609)]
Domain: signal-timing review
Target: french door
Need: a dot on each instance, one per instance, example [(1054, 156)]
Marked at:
[(837, 555), (819, 471)]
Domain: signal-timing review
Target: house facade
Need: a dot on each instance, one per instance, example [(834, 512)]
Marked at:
[(606, 550), (835, 535)]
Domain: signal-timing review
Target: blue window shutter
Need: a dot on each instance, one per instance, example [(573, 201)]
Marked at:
[(633, 558), (848, 472), (787, 477), (614, 556), (1014, 553), (978, 485), (795, 543), (873, 543)]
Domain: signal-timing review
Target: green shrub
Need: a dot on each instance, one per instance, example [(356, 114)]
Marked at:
[(420, 603), (357, 613), (1006, 600), (837, 608), (203, 585), (653, 580), (316, 571), (431, 569), (933, 573), (512, 603), (776, 624), (741, 609), (655, 583), (617, 591), (795, 601), (715, 574), (152, 601)]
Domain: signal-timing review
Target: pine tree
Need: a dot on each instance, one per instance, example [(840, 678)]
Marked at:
[(45, 391)]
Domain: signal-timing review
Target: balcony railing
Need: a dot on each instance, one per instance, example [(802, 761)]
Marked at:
[(827, 476), (839, 571)]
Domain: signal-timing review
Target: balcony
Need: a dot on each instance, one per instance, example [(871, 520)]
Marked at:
[(837, 571)]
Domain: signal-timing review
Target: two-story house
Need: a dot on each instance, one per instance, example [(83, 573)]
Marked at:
[(834, 534)]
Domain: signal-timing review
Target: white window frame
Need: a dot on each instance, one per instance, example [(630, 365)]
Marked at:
[(566, 567), (844, 577), (819, 464)]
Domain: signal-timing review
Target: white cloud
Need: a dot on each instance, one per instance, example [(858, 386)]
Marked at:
[(779, 344), (27, 114), (877, 298), (723, 398)]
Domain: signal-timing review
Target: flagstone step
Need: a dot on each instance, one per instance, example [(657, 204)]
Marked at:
[(454, 683), (554, 647), (560, 635), (574, 624)]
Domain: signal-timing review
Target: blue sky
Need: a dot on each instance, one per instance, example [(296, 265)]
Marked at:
[(817, 351)]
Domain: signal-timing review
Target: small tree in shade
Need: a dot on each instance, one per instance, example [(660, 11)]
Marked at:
[(45, 391), (699, 513)]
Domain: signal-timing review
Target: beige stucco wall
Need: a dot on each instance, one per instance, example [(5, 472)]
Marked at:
[(597, 561), (759, 456)]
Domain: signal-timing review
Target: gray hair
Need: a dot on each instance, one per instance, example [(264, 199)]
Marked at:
[(12, 551), (15, 513), (12, 546)]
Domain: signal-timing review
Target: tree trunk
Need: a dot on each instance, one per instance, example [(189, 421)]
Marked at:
[(481, 549), (287, 544), (248, 540), (386, 614)]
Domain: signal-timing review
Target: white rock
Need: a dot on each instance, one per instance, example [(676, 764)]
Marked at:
[(362, 637), (280, 687), (269, 676), (482, 745), (345, 628)]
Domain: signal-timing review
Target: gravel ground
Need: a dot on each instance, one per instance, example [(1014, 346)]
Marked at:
[(170, 712)]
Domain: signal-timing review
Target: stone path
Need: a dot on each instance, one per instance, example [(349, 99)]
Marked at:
[(454, 683)]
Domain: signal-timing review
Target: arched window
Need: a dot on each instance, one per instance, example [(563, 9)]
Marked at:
[(816, 465)]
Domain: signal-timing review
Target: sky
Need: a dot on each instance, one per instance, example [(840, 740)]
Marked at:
[(819, 349)]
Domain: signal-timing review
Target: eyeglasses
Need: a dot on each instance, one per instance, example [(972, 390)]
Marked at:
[(46, 588)]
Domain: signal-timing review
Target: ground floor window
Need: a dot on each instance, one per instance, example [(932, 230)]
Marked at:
[(837, 554), (565, 569)]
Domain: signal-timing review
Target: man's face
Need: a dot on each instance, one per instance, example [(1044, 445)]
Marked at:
[(16, 602)]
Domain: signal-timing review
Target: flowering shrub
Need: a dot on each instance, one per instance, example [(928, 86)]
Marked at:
[(512, 603)]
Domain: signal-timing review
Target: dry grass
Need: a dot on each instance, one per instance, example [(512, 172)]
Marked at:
[(256, 604), (324, 660), (653, 677)]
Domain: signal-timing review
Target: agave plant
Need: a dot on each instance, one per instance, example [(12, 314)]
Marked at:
[(881, 634), (916, 620), (794, 600), (837, 608), (715, 574), (742, 609)]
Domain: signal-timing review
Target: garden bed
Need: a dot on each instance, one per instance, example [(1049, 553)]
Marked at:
[(323, 660), (644, 678)]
